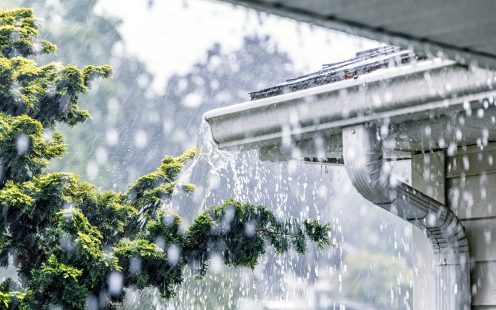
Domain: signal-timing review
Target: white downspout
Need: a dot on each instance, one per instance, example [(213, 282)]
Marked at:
[(363, 158)]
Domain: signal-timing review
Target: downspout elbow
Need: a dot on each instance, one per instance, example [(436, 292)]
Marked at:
[(364, 163)]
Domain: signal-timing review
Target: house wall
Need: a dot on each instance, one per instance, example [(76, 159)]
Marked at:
[(471, 193), (467, 183)]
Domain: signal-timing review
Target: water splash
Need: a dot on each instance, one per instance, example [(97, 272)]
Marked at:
[(205, 172), (293, 188)]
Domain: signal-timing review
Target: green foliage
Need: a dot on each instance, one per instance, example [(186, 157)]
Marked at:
[(11, 299), (145, 264), (49, 93), (69, 240), (240, 233), (56, 283), (5, 244), (317, 232), (24, 148), (19, 34), (149, 191)]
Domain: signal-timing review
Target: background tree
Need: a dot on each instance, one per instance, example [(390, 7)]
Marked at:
[(72, 242), (128, 135), (85, 37)]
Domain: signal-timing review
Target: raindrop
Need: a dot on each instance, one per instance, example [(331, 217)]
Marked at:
[(140, 139), (112, 136), (431, 219), (459, 134), (427, 131), (160, 242), (115, 283), (451, 149), (216, 263), (467, 108), (22, 143), (480, 113), (92, 169), (173, 254), (192, 100), (442, 143), (466, 163), (487, 236), (91, 302), (250, 229), (135, 265), (101, 155)]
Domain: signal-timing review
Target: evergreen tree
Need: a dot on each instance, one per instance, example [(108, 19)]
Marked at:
[(73, 244), (105, 145)]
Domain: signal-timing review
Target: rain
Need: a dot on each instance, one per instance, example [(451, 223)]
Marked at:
[(280, 113)]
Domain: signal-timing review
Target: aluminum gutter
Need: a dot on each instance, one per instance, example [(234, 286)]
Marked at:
[(412, 92), (370, 77)]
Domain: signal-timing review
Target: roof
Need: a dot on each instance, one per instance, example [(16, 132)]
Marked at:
[(364, 62), (463, 30)]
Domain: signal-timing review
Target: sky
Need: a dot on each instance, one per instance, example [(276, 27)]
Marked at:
[(187, 28)]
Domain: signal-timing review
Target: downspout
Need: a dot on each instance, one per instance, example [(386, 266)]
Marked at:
[(363, 158)]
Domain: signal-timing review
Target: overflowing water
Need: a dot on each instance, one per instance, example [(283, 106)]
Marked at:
[(319, 279), (205, 172)]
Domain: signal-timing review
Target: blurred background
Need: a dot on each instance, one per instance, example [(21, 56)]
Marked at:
[(174, 60)]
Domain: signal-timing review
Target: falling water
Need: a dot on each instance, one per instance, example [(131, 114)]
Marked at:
[(205, 172), (318, 279)]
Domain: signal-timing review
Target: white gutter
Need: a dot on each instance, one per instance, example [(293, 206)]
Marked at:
[(409, 92), (364, 163)]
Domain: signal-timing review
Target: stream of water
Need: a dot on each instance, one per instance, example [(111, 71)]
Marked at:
[(320, 279)]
